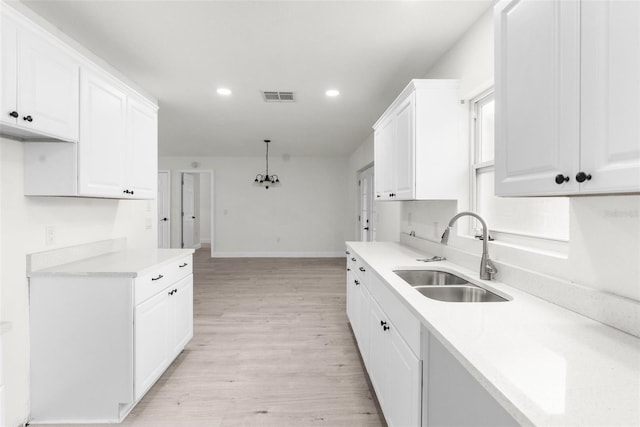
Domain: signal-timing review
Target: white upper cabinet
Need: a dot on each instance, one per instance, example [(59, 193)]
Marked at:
[(103, 132), (118, 153), (610, 81), (39, 85), (567, 105), (416, 144), (141, 162)]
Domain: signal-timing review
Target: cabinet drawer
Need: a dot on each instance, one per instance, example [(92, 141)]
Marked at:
[(151, 283), (357, 266), (405, 322)]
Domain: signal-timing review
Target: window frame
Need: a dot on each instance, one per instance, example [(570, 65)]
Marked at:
[(528, 241)]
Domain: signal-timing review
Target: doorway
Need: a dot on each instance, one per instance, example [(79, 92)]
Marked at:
[(194, 206), (164, 209), (366, 215)]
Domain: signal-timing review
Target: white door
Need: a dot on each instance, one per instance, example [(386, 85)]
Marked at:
[(188, 210), (537, 91), (164, 210), (610, 80), (365, 222)]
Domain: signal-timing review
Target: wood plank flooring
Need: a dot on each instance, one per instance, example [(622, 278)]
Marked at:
[(272, 347)]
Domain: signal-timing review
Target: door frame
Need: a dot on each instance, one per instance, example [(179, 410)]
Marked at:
[(372, 214), (212, 204), (168, 194)]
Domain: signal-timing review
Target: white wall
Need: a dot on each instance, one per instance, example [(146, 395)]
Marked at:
[(23, 222), (304, 216)]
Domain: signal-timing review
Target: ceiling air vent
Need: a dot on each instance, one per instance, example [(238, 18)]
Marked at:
[(274, 96)]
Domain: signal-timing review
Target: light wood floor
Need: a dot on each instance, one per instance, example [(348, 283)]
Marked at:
[(272, 347)]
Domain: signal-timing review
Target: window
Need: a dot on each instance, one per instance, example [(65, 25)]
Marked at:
[(510, 219)]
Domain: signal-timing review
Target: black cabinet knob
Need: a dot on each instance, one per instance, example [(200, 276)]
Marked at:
[(377, 195), (193, 217), (348, 269), (164, 219), (357, 282), (366, 228), (27, 118), (385, 328), (131, 192), (382, 323), (582, 177), (14, 114), (561, 179)]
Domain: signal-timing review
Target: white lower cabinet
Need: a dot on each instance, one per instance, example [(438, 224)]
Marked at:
[(393, 366), (453, 397), (100, 341)]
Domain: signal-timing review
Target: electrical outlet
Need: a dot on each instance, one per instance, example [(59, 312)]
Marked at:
[(50, 235)]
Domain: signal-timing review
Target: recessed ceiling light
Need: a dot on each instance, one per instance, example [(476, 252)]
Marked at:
[(332, 92), (224, 91)]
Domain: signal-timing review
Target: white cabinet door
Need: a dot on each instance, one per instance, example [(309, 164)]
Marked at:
[(141, 167), (404, 383), (351, 294), (404, 170), (181, 315), (384, 160), (9, 77), (151, 341), (395, 372), (537, 68), (48, 88), (610, 80), (378, 354), (363, 313), (102, 136)]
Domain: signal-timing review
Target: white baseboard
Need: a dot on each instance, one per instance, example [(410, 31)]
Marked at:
[(197, 246), (205, 240), (339, 254)]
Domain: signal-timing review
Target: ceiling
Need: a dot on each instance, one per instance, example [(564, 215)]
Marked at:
[(182, 51)]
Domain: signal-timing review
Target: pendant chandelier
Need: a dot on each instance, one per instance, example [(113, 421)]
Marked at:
[(267, 179)]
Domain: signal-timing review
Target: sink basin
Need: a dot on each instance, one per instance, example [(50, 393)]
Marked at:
[(459, 293), (430, 278)]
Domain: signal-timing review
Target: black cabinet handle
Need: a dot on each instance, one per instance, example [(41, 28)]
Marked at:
[(170, 293), (361, 269), (357, 282), (131, 192), (561, 179), (347, 252), (377, 195), (193, 217), (160, 276), (582, 177), (353, 259), (348, 269), (382, 323), (27, 119), (385, 328), (14, 114), (366, 228), (175, 291), (164, 219), (183, 265)]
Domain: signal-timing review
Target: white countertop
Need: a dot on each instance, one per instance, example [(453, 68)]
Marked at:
[(546, 365), (125, 263)]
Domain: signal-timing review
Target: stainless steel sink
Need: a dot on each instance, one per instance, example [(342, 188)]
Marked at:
[(430, 278), (459, 294)]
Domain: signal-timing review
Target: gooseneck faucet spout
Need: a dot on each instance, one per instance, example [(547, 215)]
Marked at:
[(487, 268)]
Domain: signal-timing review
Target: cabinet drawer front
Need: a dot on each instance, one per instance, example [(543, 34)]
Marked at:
[(406, 323), (355, 264), (151, 283)]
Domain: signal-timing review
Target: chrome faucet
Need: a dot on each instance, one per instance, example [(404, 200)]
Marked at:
[(487, 268)]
